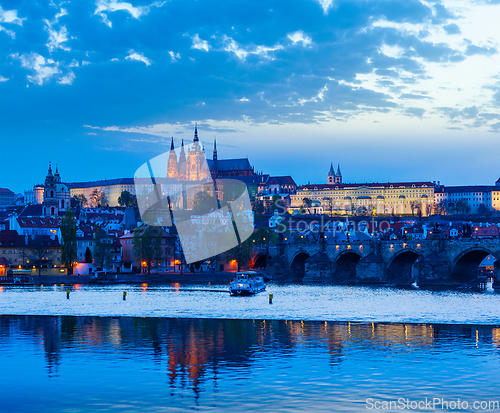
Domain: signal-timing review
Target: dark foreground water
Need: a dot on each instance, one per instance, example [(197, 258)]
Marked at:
[(128, 364)]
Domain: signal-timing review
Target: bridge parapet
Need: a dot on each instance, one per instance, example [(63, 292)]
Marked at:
[(430, 262)]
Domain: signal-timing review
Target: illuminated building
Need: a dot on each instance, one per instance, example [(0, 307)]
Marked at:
[(411, 198)]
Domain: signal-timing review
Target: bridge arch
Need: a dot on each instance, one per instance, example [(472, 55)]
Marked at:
[(399, 267), (345, 267), (298, 267), (464, 267), (260, 261)]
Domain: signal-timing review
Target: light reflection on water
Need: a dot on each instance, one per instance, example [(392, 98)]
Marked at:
[(291, 301), (93, 364)]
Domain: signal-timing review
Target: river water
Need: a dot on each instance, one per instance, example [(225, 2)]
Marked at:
[(180, 348), (291, 302), (125, 364)]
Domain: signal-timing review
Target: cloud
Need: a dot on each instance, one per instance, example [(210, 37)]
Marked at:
[(326, 5), (174, 56), (299, 37), (10, 33), (199, 44), (495, 127), (230, 45), (418, 112), (478, 50), (10, 16), (139, 57), (57, 39), (103, 7), (453, 113), (3, 79), (43, 69), (67, 79), (413, 96), (452, 29)]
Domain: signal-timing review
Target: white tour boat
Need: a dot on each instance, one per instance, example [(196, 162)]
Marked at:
[(246, 283)]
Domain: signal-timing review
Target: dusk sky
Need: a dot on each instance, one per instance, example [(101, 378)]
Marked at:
[(396, 90)]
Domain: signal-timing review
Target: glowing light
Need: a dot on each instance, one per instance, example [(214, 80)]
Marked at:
[(348, 247), (418, 245)]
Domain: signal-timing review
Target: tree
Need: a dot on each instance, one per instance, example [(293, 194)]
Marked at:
[(306, 205), (88, 256), (126, 199), (462, 206), (414, 205), (275, 203), (39, 250), (69, 248), (98, 198), (204, 202), (258, 207), (329, 205), (441, 208), (80, 200), (484, 211), (101, 250), (147, 245)]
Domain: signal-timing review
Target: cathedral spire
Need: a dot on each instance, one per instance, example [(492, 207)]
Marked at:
[(182, 155), (215, 149), (196, 133), (172, 144)]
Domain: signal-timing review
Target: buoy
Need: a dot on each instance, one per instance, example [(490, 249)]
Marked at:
[(124, 295), (270, 298), (67, 294)]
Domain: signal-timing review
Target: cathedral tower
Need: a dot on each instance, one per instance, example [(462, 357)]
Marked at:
[(172, 168)]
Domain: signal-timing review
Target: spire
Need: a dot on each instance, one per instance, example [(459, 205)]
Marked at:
[(338, 171), (196, 133), (331, 172), (56, 175), (182, 156), (215, 149), (49, 173), (172, 144)]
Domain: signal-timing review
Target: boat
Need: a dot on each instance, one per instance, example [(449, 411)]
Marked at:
[(246, 283)]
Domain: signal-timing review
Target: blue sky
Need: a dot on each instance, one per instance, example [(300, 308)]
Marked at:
[(390, 89)]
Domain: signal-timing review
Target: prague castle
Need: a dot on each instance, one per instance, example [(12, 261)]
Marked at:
[(374, 198)]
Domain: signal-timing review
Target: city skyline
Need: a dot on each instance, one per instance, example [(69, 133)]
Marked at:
[(403, 88)]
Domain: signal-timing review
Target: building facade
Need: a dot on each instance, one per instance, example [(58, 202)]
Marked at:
[(6, 196), (412, 198)]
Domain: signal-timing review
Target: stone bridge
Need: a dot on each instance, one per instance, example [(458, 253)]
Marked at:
[(429, 263)]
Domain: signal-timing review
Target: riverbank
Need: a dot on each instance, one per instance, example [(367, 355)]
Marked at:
[(171, 277)]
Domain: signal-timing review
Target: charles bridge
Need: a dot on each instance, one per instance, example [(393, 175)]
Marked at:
[(431, 263)]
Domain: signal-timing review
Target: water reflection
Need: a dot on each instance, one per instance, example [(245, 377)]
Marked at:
[(196, 354)]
